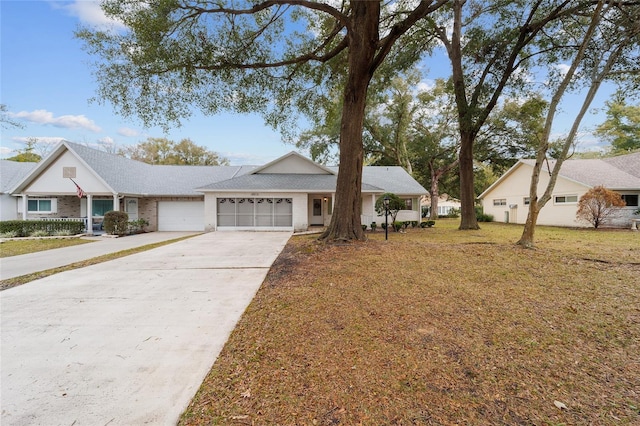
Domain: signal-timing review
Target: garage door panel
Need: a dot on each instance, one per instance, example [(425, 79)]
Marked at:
[(180, 216)]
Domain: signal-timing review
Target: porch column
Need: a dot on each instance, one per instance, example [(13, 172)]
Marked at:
[(25, 206), (116, 203), (89, 229)]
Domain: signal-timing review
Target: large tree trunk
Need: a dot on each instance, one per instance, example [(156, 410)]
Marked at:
[(363, 39), (468, 218)]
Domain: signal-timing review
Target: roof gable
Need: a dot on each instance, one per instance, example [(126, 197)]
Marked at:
[(293, 163)]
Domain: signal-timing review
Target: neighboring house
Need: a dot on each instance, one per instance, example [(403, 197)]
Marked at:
[(445, 204), (290, 193), (11, 172), (508, 198)]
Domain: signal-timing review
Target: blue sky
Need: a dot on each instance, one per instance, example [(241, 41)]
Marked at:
[(46, 83)]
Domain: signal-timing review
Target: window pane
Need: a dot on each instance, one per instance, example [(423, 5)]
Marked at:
[(32, 205), (44, 205), (100, 207), (631, 200), (572, 198)]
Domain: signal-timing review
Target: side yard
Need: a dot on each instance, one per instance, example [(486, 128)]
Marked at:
[(437, 327)]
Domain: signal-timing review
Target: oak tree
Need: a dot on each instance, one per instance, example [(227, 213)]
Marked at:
[(270, 56)]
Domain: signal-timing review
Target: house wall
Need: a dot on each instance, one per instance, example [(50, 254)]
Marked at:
[(52, 182), (515, 188), (8, 207)]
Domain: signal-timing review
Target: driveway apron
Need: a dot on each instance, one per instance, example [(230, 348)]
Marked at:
[(129, 341)]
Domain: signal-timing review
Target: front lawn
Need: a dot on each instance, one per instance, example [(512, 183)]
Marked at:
[(23, 246), (437, 327)]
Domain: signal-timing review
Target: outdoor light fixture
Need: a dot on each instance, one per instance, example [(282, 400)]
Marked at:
[(386, 217)]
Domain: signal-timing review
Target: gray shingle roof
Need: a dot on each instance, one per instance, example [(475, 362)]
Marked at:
[(12, 172), (134, 177), (131, 177), (281, 182), (620, 173)]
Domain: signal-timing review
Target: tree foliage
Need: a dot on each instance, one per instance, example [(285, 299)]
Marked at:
[(165, 151), (622, 126), (28, 154), (395, 205), (599, 204), (276, 57)]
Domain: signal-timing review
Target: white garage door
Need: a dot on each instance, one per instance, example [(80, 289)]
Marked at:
[(181, 216)]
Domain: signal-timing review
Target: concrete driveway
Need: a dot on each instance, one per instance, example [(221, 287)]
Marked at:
[(129, 341)]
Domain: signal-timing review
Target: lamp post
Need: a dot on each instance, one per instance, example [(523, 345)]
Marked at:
[(386, 217)]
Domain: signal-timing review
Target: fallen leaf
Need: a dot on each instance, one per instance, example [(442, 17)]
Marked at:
[(246, 394), (560, 405)]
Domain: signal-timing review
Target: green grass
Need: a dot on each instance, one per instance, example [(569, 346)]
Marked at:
[(10, 248), (437, 326)]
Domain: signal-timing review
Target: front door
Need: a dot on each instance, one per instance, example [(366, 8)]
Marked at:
[(131, 208), (317, 216)]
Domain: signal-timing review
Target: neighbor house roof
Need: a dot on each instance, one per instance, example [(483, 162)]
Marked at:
[(617, 173)]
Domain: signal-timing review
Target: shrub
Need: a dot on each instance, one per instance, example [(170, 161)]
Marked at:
[(598, 205), (414, 223), (364, 227), (22, 228), (397, 226), (116, 222), (482, 217), (138, 225), (453, 213), (62, 233), (39, 233), (427, 223), (373, 226), (10, 234)]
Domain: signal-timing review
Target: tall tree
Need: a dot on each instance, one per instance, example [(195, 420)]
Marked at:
[(165, 151), (6, 121), (270, 56), (622, 126), (27, 154), (490, 44), (603, 45)]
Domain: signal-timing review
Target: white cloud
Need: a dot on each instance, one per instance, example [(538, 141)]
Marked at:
[(106, 141), (563, 68), (41, 116), (128, 132), (90, 13)]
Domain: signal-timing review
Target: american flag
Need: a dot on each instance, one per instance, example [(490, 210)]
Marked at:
[(79, 190)]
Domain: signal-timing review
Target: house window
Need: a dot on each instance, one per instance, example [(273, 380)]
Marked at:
[(565, 199), (408, 203), (526, 201), (40, 205), (630, 199), (100, 207), (500, 202)]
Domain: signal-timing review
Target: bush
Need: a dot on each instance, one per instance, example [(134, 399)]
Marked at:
[(23, 228), (116, 223), (136, 226), (397, 226), (373, 226), (482, 217), (364, 227), (427, 223), (39, 233), (414, 223)]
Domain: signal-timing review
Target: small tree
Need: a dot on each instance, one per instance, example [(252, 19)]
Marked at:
[(599, 204), (395, 205), (116, 222)]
